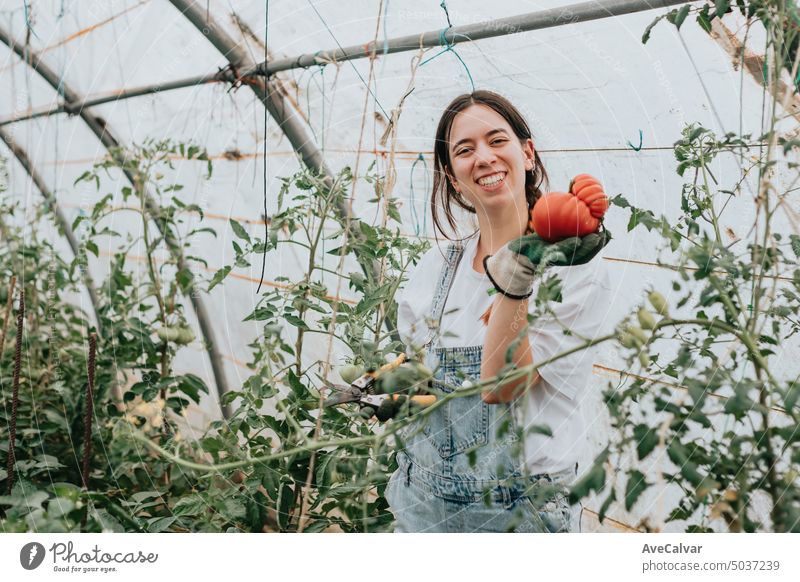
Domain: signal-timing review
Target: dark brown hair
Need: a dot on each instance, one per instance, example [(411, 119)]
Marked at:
[(534, 178)]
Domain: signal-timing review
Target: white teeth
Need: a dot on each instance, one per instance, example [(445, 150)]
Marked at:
[(492, 180)]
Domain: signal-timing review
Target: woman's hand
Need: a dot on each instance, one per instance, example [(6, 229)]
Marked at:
[(513, 268)]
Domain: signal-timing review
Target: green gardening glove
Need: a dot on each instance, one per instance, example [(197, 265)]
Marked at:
[(513, 268)]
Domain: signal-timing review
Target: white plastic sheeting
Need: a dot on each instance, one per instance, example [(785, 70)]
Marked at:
[(587, 90)]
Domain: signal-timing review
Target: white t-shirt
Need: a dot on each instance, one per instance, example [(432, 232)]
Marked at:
[(556, 400)]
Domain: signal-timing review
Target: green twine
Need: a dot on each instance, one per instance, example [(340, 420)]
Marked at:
[(633, 147), (420, 158)]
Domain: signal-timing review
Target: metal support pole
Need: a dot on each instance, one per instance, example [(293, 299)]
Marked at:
[(284, 115), (553, 17), (61, 220), (100, 128), (550, 18), (76, 108)]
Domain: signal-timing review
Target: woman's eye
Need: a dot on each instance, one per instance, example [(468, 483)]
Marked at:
[(462, 151), (498, 141)]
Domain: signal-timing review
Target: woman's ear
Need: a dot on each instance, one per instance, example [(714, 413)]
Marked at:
[(452, 180), (529, 152)]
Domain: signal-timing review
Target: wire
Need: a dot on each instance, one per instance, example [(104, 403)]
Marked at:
[(378, 103)]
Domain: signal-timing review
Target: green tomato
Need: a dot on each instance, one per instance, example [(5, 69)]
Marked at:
[(638, 333), (168, 333), (350, 373), (626, 339), (659, 303), (646, 319), (185, 335), (180, 334)]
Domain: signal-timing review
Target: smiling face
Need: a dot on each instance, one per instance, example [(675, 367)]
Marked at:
[(488, 161)]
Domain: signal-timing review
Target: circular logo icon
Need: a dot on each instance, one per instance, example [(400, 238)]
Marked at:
[(31, 555)]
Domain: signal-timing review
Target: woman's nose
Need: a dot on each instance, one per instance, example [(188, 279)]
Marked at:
[(485, 154)]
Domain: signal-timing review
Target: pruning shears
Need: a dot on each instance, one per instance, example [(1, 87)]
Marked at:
[(362, 391)]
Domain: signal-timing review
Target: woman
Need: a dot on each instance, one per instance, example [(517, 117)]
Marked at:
[(464, 468)]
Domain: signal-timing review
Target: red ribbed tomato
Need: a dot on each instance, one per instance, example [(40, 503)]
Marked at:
[(561, 215)]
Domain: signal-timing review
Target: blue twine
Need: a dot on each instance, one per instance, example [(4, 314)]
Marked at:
[(28, 19), (420, 158), (448, 46), (633, 147)]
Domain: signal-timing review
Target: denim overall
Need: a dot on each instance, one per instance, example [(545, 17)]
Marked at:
[(460, 469)]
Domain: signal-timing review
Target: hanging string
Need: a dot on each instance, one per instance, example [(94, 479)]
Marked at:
[(443, 6), (448, 44), (266, 91), (321, 72), (633, 147), (369, 89), (28, 19), (420, 159)]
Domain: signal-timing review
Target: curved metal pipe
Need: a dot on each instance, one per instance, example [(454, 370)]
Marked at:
[(62, 221), (287, 119), (100, 128)]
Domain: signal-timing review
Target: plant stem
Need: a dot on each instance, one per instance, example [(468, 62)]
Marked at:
[(87, 419), (12, 432), (315, 445)]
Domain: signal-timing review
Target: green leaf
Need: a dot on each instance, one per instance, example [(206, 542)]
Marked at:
[(295, 321), (593, 480), (704, 21), (794, 240), (190, 505), (540, 429), (612, 497), (635, 487), (681, 16), (285, 500), (192, 386), (722, 6), (239, 230), (792, 394), (219, 276), (646, 440), (159, 524), (84, 176), (649, 29), (91, 246), (296, 385)]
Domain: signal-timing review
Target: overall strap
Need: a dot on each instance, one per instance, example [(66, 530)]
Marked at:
[(454, 253)]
